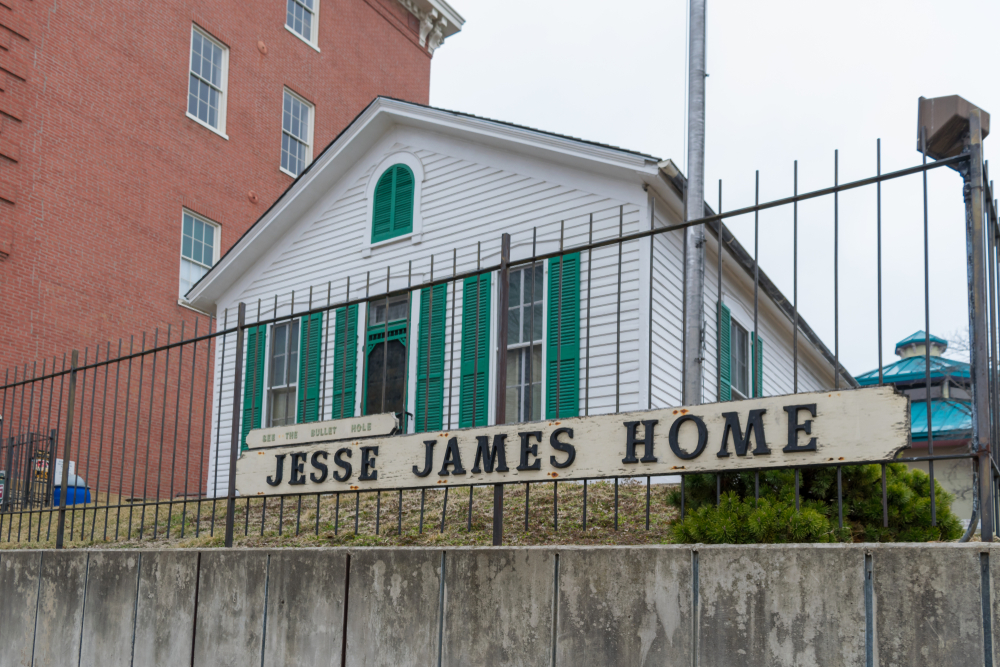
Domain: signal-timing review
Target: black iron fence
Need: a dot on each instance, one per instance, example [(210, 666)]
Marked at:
[(152, 426)]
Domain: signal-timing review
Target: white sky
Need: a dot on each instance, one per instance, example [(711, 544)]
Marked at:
[(787, 80)]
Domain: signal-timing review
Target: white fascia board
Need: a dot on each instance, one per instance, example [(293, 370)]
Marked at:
[(352, 145)]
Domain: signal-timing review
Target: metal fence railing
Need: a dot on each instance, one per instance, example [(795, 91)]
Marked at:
[(152, 425)]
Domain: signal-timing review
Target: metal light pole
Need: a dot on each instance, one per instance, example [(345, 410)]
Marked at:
[(694, 208)]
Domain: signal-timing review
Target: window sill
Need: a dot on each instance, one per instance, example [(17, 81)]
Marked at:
[(206, 125), (288, 173), (303, 39), (415, 239)]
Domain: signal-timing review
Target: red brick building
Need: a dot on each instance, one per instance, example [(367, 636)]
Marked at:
[(125, 126)]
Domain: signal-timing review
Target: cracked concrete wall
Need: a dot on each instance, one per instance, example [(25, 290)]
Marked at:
[(708, 606)]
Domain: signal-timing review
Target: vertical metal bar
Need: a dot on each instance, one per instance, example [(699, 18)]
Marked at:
[(177, 412), (885, 501), (149, 428), (756, 289), (163, 424), (430, 327), (444, 509), (378, 511), (840, 499), (67, 440), (585, 505), (649, 307), (647, 502), (138, 427), (399, 530), (527, 502), (347, 344), (317, 495), (616, 503), (927, 330), (618, 330), (795, 282), (357, 510), (682, 497), (796, 489), (204, 416), (128, 402), (977, 320), (281, 515), (385, 343), (234, 444), (468, 526), (336, 516), (423, 497), (503, 304), (878, 233), (79, 446), (559, 292), (187, 453), (409, 342), (475, 355), (100, 449), (528, 370), (451, 354), (298, 515), (836, 270), (718, 303), (590, 270), (555, 505), (263, 514), (326, 355)]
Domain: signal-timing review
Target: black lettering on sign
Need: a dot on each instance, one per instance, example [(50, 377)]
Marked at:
[(498, 456), (338, 459), (368, 472), (298, 467), (530, 450), (675, 429), (755, 427), (794, 427), (564, 447), (321, 467), (275, 479), (428, 459), (453, 458), (646, 441)]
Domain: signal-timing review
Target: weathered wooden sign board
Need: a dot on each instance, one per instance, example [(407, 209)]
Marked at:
[(803, 429)]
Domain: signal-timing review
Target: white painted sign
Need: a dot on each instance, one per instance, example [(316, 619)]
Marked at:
[(870, 424), (328, 431)]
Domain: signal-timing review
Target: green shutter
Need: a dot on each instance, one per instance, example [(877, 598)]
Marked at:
[(562, 381), (474, 391), (430, 359), (310, 358), (392, 212), (345, 349), (757, 345), (253, 381), (725, 354), (382, 210)]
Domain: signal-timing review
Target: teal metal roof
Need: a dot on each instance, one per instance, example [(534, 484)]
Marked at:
[(912, 369), (920, 337), (951, 420)]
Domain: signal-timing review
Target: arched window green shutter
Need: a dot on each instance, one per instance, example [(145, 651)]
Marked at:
[(392, 212), (430, 359), (725, 354), (253, 381), (345, 350), (562, 379), (473, 400), (310, 357), (758, 365)]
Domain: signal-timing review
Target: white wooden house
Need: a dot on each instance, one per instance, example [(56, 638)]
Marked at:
[(408, 194)]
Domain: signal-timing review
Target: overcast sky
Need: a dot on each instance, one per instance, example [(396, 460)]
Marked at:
[(787, 81)]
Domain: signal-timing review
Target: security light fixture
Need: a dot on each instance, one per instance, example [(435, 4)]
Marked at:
[(947, 123)]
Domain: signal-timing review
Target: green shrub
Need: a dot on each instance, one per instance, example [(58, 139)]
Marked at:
[(740, 519)]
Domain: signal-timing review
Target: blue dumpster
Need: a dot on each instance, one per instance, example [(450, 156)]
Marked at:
[(77, 492)]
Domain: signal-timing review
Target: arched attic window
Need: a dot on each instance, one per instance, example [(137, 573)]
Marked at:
[(393, 209)]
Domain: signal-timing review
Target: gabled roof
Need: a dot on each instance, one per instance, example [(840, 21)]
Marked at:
[(950, 420), (913, 369), (379, 117)]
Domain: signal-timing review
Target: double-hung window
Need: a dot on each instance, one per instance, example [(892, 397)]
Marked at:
[(284, 366), (300, 18), (740, 361), (296, 134), (524, 344), (207, 81), (199, 249)]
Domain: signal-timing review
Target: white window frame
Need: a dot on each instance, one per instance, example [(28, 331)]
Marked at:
[(286, 388), (518, 348), (416, 236), (312, 134), (217, 241), (314, 41), (224, 87), (748, 352)]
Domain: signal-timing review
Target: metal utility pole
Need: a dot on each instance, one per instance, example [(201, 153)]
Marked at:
[(694, 208)]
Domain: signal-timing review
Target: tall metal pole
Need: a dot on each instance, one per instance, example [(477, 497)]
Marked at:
[(694, 208), (70, 407), (979, 357), (234, 445), (503, 299)]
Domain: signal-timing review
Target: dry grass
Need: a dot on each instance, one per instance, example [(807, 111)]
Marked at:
[(368, 519)]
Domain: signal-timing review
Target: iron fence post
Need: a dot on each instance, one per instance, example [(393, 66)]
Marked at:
[(977, 320), (61, 528), (234, 450), (8, 488), (503, 298)]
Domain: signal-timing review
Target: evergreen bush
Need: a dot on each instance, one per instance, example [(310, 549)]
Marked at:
[(772, 518)]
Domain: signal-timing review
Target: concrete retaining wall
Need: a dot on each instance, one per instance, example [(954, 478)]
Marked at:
[(710, 606)]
